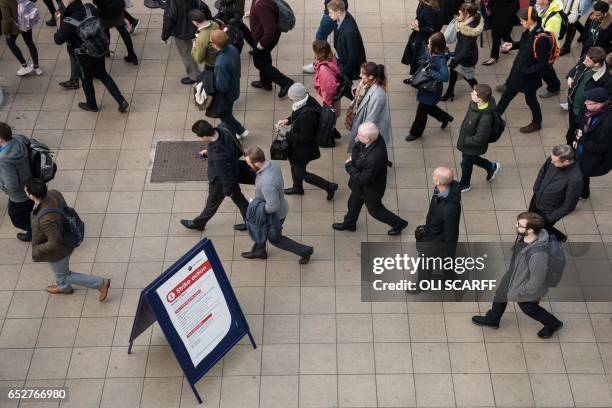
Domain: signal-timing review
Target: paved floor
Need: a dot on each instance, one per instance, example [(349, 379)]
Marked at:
[(320, 346)]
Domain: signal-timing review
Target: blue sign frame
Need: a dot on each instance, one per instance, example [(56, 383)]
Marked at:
[(150, 309)]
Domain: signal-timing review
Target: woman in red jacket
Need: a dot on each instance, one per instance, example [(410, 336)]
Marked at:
[(326, 75)]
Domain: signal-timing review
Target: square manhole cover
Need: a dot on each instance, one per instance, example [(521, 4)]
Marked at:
[(177, 161)]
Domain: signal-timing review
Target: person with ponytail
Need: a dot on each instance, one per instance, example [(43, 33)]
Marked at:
[(371, 102), (469, 27)]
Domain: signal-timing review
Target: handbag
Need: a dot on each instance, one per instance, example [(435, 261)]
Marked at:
[(423, 81), (344, 88), (280, 147), (450, 34)]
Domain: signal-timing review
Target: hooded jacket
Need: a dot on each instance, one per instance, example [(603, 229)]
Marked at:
[(442, 222), (67, 33), (476, 129), (8, 11), (466, 50), (528, 278), (15, 169), (551, 19), (556, 190), (325, 80)]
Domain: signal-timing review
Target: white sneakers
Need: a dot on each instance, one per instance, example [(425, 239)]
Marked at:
[(242, 135), (308, 69), (564, 106), (29, 69)]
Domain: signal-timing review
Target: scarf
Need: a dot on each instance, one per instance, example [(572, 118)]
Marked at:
[(592, 118), (360, 92), (299, 104)]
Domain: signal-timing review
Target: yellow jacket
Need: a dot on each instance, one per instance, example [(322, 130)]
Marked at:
[(203, 51), (552, 24)]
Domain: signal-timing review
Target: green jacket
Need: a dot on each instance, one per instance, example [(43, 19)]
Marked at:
[(47, 233), (552, 23), (476, 129), (8, 9), (203, 51)]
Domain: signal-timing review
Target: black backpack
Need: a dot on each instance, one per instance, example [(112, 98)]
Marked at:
[(95, 43), (42, 162), (498, 127), (327, 126), (564, 23), (74, 227)]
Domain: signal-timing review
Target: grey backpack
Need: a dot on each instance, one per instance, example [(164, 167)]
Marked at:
[(90, 31), (286, 18)]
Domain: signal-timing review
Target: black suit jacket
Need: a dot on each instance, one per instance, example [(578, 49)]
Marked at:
[(349, 46)]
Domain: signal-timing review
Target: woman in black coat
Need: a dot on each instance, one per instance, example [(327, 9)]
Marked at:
[(502, 19), (594, 140), (302, 140), (469, 27), (111, 13), (426, 23)]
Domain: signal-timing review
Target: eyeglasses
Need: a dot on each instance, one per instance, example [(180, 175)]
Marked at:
[(517, 225)]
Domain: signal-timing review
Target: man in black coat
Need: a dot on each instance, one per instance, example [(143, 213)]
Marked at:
[(225, 172), (590, 73), (348, 43), (557, 188), (597, 30), (367, 168), (178, 25), (91, 67), (302, 139), (594, 139), (526, 73)]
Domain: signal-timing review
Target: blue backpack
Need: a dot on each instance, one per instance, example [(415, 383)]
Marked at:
[(74, 227)]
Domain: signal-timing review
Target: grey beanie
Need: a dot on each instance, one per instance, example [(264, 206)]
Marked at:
[(297, 92)]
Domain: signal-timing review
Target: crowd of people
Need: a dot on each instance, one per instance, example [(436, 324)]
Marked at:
[(210, 49)]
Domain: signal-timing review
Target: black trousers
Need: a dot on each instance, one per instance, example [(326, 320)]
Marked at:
[(126, 37), (531, 309), (248, 37), (496, 39), (286, 244), (214, 200), (570, 136), (375, 208), (531, 99), (95, 68), (130, 18), (548, 225), (420, 120), (299, 175), (50, 7), (229, 119), (262, 59), (586, 187), (550, 78), (19, 213), (452, 81), (11, 42)]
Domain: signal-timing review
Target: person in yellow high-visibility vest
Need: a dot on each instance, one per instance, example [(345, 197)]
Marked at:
[(549, 11)]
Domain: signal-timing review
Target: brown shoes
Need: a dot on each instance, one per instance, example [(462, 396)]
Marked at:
[(104, 289), (55, 290), (532, 127)]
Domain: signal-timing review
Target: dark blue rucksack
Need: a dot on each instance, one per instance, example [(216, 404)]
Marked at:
[(74, 227)]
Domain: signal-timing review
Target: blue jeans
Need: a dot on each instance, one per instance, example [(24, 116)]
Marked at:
[(326, 27), (65, 279), (467, 165)]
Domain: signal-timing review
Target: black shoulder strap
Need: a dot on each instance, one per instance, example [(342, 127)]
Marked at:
[(229, 134)]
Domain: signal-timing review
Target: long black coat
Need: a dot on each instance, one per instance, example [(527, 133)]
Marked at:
[(595, 148), (349, 46), (503, 15), (526, 72), (556, 191), (368, 170), (224, 159), (429, 23), (302, 138), (442, 222)]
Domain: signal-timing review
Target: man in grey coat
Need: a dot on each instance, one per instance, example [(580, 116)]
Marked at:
[(525, 280), (15, 172), (269, 187)]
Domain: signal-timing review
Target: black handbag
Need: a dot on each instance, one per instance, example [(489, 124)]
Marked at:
[(280, 147), (422, 80), (345, 88)]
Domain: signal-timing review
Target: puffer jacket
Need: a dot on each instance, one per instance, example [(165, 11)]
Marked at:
[(47, 232), (551, 19), (476, 129), (15, 170), (528, 278), (8, 11), (325, 80), (466, 50)]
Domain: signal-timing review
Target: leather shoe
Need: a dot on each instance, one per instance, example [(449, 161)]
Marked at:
[(24, 236), (283, 92), (398, 229), (530, 128), (51, 22), (191, 225), (332, 192), (256, 254), (484, 321), (294, 191), (240, 227), (187, 81), (412, 138), (548, 331), (104, 289), (70, 84), (132, 59), (55, 290), (261, 85), (123, 106), (87, 108), (340, 226), (306, 258)]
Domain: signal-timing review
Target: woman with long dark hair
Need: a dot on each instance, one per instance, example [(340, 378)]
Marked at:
[(428, 100), (502, 19), (426, 23)]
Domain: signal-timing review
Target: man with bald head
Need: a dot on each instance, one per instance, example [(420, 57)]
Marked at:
[(367, 168)]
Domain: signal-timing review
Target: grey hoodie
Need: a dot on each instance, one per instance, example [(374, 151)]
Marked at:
[(528, 280), (15, 169)]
